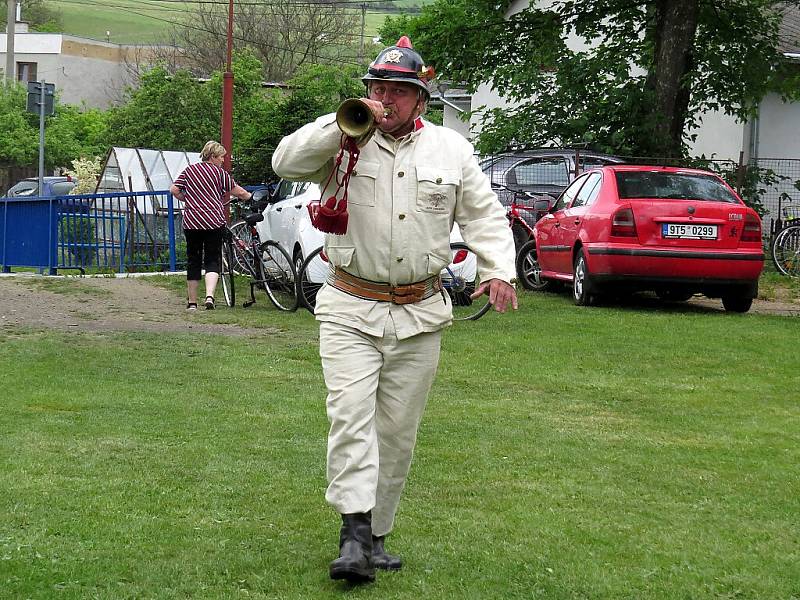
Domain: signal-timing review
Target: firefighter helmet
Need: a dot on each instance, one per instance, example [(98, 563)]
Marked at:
[(400, 63)]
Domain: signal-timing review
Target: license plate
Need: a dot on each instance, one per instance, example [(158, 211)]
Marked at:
[(688, 231)]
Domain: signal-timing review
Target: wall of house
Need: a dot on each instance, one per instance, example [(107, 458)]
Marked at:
[(778, 128), (720, 136), (83, 70), (450, 120)]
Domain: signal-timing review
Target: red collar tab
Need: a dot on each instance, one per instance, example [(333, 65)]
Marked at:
[(418, 124)]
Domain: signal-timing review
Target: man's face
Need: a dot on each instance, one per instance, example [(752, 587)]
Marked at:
[(405, 102)]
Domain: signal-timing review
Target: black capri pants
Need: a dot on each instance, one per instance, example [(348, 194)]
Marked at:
[(203, 251)]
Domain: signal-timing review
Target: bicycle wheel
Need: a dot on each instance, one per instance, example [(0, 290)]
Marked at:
[(459, 280), (529, 272), (242, 238), (226, 274), (310, 278), (786, 251), (278, 275)]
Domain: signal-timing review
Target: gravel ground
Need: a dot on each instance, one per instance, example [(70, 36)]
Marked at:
[(101, 304), (134, 304)]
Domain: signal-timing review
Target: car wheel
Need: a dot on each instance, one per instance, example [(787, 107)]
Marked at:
[(529, 272), (581, 282), (673, 295), (737, 304)]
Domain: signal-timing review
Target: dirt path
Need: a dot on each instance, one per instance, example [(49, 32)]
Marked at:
[(100, 304), (134, 304)]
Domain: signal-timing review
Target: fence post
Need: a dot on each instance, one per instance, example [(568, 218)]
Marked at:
[(53, 234), (740, 171), (171, 228)]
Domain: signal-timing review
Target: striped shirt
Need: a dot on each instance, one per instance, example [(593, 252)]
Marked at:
[(204, 186)]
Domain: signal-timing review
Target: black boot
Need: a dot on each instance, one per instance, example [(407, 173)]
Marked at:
[(381, 560), (355, 550)]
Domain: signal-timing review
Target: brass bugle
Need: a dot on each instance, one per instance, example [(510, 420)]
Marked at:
[(355, 118)]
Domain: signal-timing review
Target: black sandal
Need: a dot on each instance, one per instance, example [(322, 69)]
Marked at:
[(191, 306), (209, 302)]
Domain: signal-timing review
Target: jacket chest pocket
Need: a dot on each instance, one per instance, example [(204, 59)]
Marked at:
[(362, 186), (436, 189)]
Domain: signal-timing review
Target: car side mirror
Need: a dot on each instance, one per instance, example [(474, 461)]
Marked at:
[(542, 205)]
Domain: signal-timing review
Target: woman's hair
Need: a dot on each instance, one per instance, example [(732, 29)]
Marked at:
[(212, 149)]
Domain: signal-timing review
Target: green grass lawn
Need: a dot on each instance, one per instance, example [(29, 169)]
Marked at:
[(609, 452)]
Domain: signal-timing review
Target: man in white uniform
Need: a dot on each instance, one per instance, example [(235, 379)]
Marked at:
[(382, 310)]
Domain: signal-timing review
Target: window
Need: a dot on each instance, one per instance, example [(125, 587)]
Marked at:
[(540, 171), (588, 192), (675, 186), (26, 71), (570, 193)]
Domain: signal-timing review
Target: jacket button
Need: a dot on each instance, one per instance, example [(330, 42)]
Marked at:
[(400, 174), (401, 217), (438, 180), (399, 259), (355, 172)]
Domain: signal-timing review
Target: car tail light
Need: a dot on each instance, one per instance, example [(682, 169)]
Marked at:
[(622, 223), (751, 232), (69, 177), (460, 256)]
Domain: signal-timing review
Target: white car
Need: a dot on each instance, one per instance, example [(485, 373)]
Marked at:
[(286, 220)]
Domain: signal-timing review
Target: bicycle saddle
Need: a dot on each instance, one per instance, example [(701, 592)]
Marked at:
[(253, 218)]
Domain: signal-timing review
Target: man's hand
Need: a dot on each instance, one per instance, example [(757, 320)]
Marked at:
[(377, 109), (500, 294)]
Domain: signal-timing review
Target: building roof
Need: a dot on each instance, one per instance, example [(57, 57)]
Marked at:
[(789, 33)]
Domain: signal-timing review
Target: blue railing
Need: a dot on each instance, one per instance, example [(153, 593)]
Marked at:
[(109, 232)]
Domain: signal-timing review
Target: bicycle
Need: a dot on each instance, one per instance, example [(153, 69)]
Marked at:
[(785, 247), (523, 209), (459, 280), (267, 264)]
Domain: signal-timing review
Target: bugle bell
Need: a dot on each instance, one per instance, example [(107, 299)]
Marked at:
[(356, 120)]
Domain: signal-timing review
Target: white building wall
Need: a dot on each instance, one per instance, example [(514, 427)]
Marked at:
[(778, 128), (84, 71), (719, 136), (451, 120)]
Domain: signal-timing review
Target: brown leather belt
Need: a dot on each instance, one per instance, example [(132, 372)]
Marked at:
[(384, 292)]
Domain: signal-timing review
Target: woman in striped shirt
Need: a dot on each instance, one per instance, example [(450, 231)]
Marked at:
[(203, 188)]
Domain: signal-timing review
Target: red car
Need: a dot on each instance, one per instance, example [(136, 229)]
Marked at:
[(624, 228)]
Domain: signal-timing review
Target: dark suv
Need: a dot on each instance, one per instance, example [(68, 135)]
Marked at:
[(541, 171)]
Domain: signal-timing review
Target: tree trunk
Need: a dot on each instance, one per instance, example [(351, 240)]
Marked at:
[(675, 28)]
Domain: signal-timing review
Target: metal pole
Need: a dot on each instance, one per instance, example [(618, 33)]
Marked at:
[(227, 100), (10, 72), (361, 41), (41, 137)]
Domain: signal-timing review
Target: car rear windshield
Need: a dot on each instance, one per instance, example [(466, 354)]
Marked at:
[(678, 186)]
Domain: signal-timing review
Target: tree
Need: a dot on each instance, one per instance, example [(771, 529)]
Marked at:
[(179, 112), (314, 91), (69, 134), (651, 68), (283, 34), (39, 14), (170, 112)]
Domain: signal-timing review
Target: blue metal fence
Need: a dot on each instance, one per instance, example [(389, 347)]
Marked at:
[(109, 232)]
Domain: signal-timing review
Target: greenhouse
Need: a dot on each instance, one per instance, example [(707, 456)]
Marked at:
[(143, 170)]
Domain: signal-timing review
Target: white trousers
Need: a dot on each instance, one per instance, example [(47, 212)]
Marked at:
[(377, 390)]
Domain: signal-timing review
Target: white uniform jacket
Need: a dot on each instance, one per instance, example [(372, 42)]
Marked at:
[(403, 198)]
